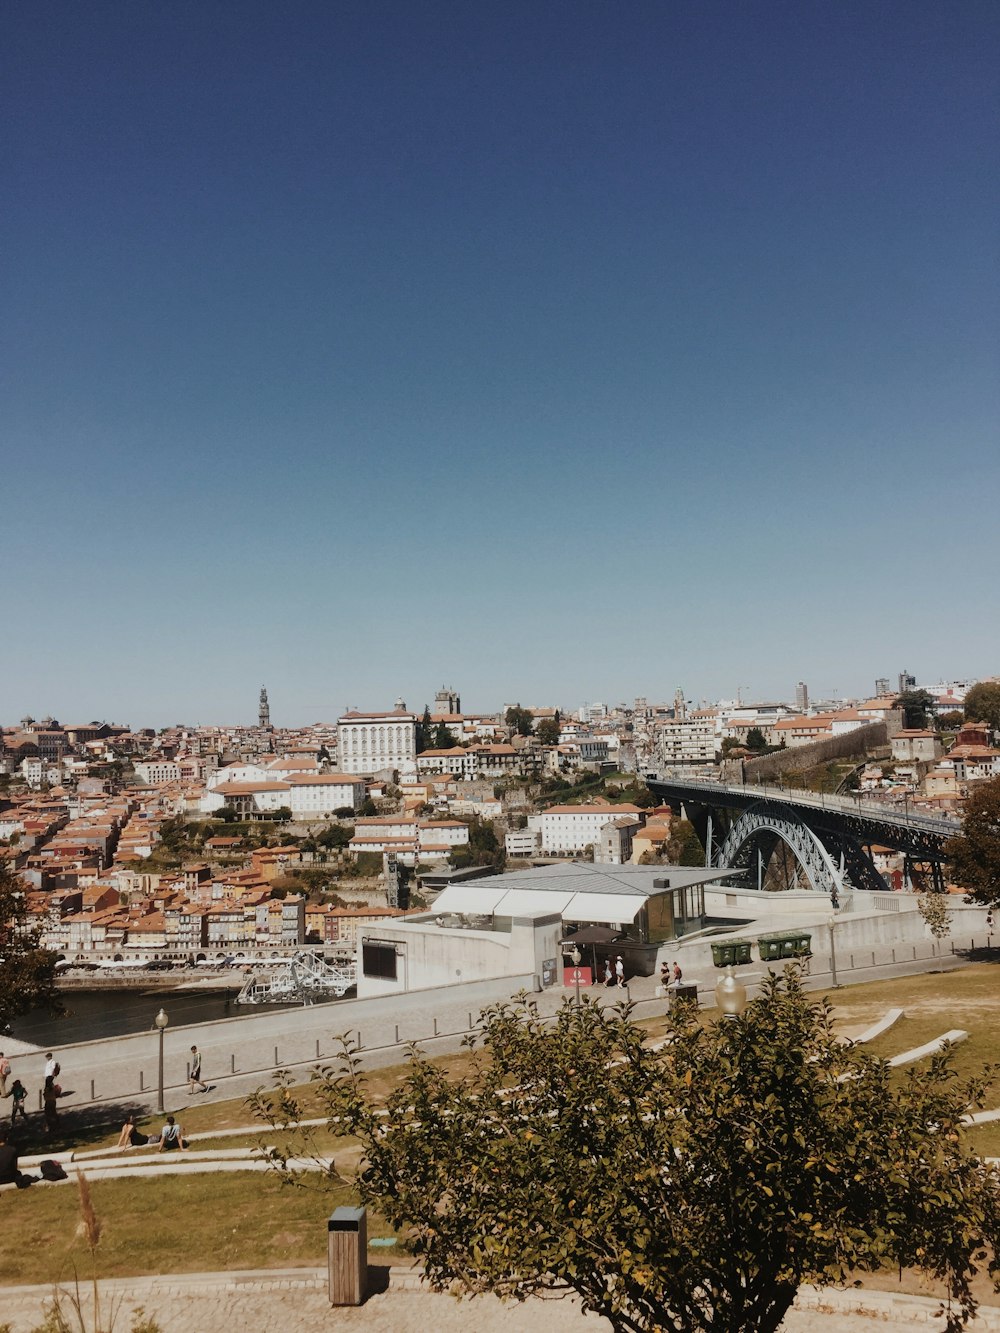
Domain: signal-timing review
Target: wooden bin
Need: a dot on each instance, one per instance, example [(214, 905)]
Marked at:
[(348, 1255)]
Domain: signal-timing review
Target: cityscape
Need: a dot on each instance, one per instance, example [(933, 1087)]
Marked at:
[(500, 692)]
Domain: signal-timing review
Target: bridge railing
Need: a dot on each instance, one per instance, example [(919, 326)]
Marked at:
[(847, 805)]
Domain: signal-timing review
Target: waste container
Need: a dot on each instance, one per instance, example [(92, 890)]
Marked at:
[(685, 993), (785, 944), (347, 1255), (730, 953)]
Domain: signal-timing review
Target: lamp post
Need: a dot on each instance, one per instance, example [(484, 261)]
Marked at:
[(730, 994), (576, 956), (832, 922), (161, 1020)]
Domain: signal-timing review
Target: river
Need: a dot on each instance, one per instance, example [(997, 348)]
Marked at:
[(91, 1015)]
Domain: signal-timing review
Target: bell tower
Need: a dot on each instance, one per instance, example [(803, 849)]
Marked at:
[(264, 711)]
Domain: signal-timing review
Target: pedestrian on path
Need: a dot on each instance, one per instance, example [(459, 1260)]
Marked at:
[(4, 1074), (194, 1078), (620, 972), (19, 1095)]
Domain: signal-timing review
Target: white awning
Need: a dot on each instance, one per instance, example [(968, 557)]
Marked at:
[(479, 901), (516, 901), (596, 907)]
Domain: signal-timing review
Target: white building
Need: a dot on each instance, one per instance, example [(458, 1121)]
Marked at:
[(695, 740), (371, 742), (158, 772), (572, 828)]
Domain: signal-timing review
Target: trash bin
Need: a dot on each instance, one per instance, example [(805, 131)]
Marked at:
[(685, 993), (347, 1255), (785, 944), (728, 953)]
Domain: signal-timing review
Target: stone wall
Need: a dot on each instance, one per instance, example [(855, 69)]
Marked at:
[(850, 745)]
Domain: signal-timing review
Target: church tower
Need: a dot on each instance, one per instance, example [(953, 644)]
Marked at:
[(264, 711)]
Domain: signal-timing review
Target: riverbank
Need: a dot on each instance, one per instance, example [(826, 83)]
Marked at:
[(137, 979)]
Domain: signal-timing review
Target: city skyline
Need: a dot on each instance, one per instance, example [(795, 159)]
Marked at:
[(561, 352)]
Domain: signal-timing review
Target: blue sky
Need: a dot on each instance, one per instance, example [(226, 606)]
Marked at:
[(553, 351)]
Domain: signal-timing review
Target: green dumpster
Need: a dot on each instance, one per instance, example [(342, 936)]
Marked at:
[(730, 953), (784, 944)]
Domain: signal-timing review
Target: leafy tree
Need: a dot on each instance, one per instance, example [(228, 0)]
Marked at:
[(548, 730), (933, 907), (982, 703), (27, 972), (484, 848), (684, 847), (690, 1187), (368, 807), (974, 855), (345, 812), (283, 814), (444, 737), (335, 835), (423, 731), (917, 706), (950, 721), (519, 720), (756, 741)]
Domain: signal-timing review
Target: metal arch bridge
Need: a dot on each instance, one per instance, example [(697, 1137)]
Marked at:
[(828, 839)]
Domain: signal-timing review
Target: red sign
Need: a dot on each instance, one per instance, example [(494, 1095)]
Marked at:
[(572, 974)]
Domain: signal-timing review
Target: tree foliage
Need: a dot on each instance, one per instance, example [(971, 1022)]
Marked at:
[(917, 705), (520, 720), (756, 740), (444, 737), (690, 1187), (548, 731), (974, 855), (27, 972), (684, 846), (982, 703)]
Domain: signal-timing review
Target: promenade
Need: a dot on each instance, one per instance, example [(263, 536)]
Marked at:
[(297, 1299), (243, 1052)]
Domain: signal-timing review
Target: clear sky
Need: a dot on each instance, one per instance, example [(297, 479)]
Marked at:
[(555, 351)]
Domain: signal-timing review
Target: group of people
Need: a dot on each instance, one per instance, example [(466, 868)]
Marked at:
[(170, 1138), (18, 1093), (670, 975)]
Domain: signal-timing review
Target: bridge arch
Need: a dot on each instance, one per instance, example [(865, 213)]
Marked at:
[(763, 824)]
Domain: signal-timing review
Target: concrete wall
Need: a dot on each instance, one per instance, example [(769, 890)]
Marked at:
[(430, 955)]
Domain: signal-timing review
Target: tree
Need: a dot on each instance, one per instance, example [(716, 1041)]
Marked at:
[(335, 835), (974, 855), (756, 741), (283, 814), (423, 732), (547, 731), (368, 807), (689, 1187), (684, 847), (917, 706), (444, 737), (27, 971), (982, 703), (933, 907), (950, 721), (520, 720)]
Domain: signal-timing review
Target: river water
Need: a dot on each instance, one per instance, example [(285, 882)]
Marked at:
[(91, 1015)]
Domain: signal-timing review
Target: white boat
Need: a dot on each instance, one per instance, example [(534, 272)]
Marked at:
[(303, 979)]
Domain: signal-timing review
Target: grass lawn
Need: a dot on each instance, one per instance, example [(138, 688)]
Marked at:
[(249, 1220)]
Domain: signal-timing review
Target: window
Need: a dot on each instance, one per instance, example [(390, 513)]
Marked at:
[(378, 960)]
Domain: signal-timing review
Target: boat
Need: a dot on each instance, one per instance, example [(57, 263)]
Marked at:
[(301, 979)]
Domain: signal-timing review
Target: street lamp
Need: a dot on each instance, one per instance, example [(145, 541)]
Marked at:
[(832, 922), (730, 994), (161, 1020), (576, 956)]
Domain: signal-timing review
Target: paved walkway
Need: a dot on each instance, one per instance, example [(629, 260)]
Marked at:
[(296, 1299)]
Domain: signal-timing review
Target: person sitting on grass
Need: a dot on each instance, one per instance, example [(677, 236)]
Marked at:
[(130, 1136), (172, 1136)]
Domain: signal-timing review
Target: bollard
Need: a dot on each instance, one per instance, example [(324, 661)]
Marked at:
[(347, 1256), (435, 1027), (92, 1097), (232, 1064), (470, 1022), (275, 1055), (397, 1034), (317, 1048), (141, 1085)]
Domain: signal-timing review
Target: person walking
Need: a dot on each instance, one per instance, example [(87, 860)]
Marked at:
[(678, 974), (609, 976), (620, 972), (194, 1078), (4, 1074), (51, 1069)]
